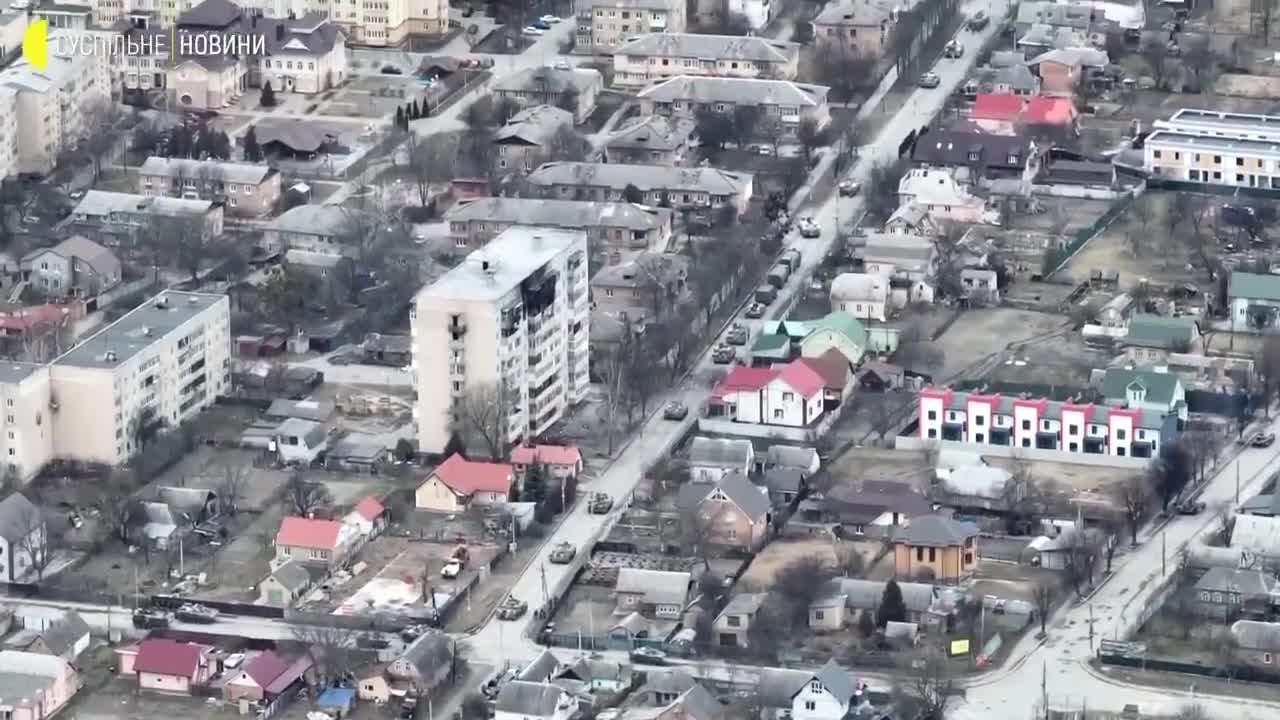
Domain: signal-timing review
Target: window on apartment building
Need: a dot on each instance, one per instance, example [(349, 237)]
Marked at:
[(1239, 177), (1120, 434), (1217, 159), (933, 433), (933, 554), (1026, 442), (919, 554), (1197, 157), (810, 705), (1026, 424), (979, 420), (1120, 451), (1155, 153), (788, 397), (1217, 175), (1239, 162), (933, 414), (1073, 429), (979, 438)]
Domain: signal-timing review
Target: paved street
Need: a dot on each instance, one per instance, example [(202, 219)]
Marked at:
[(500, 639)]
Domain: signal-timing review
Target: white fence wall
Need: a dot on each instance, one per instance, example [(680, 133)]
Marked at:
[(911, 442)]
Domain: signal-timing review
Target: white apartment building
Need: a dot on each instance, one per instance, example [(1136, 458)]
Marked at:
[(368, 23), (8, 132), (157, 366), (26, 426), (48, 104), (1218, 148), (513, 315), (603, 25)]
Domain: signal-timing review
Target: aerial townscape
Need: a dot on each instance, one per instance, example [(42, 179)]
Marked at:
[(640, 359)]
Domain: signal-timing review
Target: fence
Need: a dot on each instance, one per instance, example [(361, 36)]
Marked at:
[(1243, 673), (1063, 255)]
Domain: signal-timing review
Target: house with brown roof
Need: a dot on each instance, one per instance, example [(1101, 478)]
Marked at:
[(168, 666), (874, 508), (530, 138), (858, 27), (732, 512), (314, 541), (76, 266), (265, 677), (458, 482), (651, 139)]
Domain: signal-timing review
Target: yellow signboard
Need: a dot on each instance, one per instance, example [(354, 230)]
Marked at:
[(959, 647)]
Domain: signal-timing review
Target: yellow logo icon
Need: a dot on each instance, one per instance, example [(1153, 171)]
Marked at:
[(35, 44)]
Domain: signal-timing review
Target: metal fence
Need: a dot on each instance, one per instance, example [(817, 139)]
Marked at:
[(1063, 254)]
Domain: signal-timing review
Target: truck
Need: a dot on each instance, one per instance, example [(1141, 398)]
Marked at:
[(778, 275), (766, 294), (791, 258)]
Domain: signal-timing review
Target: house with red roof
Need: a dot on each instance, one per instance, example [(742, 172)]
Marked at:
[(562, 461), (1051, 116), (996, 113), (313, 541), (168, 666), (790, 395), (369, 516), (836, 374), (265, 676), (457, 483)]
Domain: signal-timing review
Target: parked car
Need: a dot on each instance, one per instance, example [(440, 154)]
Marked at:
[(648, 656), (978, 21), (849, 188), (511, 608), (533, 30), (540, 24), (953, 49), (233, 661), (723, 355), (562, 553), (755, 311), (809, 228), (391, 70), (549, 19), (675, 410), (451, 569), (563, 64), (930, 80), (1190, 508), (737, 334), (1262, 440)]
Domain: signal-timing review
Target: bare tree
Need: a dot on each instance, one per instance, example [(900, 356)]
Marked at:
[(925, 686), (569, 145), (881, 410), (482, 417), (1203, 446), (1226, 524), (1157, 58), (1044, 596), (431, 162), (614, 369), (331, 648), (1268, 370), (698, 533), (34, 541), (916, 350), (799, 584), (231, 486), (1081, 560), (1192, 712), (304, 497)]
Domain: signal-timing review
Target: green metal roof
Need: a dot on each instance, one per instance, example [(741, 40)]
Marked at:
[(1160, 386), (772, 346), (1156, 331), (844, 323), (1254, 286)]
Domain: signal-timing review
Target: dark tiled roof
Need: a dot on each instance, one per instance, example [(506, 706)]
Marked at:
[(949, 147)]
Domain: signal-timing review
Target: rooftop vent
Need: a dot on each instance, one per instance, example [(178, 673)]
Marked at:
[(110, 356)]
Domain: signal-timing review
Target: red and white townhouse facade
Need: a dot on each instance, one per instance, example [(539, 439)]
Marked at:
[(1043, 424), (790, 395)]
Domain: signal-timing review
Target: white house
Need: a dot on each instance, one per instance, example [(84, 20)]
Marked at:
[(299, 442), (827, 695), (1255, 300), (863, 296), (368, 516), (712, 458), (22, 538), (943, 196), (789, 395)]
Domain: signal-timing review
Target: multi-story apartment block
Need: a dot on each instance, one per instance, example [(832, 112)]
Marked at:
[(651, 140), (513, 318), (603, 25), (572, 89), (26, 424), (784, 105), (155, 367), (1217, 148), (122, 214), (8, 132), (247, 189), (49, 105), (658, 56), (529, 138), (609, 225), (379, 24), (856, 27), (1039, 423), (702, 187)]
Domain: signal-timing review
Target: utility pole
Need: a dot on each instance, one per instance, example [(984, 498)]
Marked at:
[(1044, 687), (1237, 481), (1163, 558), (1090, 628)]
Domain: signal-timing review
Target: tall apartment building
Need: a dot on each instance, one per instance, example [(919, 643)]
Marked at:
[(26, 425), (8, 132), (603, 25), (155, 367), (513, 316), (48, 104), (1217, 148)]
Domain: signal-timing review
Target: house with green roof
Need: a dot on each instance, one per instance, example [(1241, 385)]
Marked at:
[(1151, 338), (780, 341), (1254, 299), (1145, 390)]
